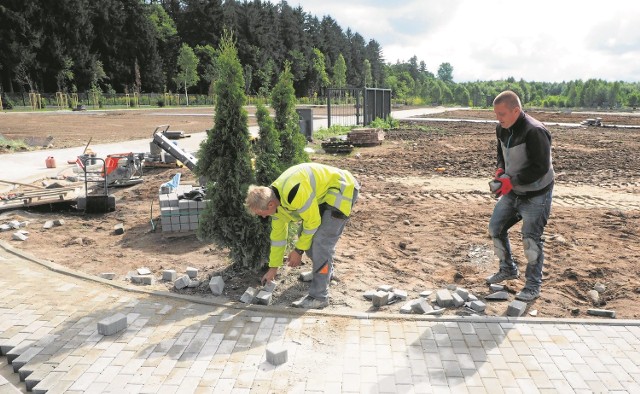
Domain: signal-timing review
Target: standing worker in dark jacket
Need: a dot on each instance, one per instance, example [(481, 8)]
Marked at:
[(525, 178)]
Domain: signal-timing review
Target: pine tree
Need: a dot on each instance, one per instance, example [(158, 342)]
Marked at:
[(224, 160), (287, 121)]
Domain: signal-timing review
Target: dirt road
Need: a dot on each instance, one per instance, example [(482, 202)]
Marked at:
[(420, 224)]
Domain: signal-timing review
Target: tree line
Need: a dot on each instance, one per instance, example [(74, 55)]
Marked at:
[(131, 46), (136, 46)]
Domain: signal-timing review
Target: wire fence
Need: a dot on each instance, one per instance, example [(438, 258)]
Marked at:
[(95, 100)]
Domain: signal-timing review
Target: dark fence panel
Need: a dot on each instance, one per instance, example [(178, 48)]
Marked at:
[(357, 106)]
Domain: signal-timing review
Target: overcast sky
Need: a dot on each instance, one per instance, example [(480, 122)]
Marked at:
[(541, 40)]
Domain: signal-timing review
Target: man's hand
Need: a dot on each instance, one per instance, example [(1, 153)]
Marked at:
[(506, 186), (269, 276), (499, 172), (295, 259)]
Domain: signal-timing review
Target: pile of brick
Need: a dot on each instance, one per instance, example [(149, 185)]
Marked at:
[(178, 213), (365, 137)]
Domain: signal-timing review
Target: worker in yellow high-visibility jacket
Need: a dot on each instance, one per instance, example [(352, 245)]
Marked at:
[(321, 197)]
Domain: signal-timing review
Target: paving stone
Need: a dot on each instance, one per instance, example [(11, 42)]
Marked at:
[(436, 312), (142, 279), (380, 298), (48, 224), (182, 282), (192, 272), (594, 296), (249, 296), (516, 308), (421, 306), (463, 293), (216, 284), (387, 288), (14, 224), (270, 287), (477, 306), (58, 222), (264, 297), (193, 283), (143, 271), (498, 296), (38, 375), (400, 294), (118, 229), (112, 324), (276, 354), (457, 300), (444, 298), (452, 287), (426, 293), (496, 287), (169, 275), (5, 227), (25, 357), (369, 294), (16, 351), (599, 287), (407, 307), (108, 275), (19, 237), (472, 297), (602, 313), (306, 276)]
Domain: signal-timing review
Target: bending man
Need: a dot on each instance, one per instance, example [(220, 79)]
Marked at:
[(526, 178), (321, 197)]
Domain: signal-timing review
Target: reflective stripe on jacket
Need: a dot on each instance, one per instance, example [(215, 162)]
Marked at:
[(302, 189)]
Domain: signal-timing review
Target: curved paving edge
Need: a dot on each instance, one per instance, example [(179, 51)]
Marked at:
[(297, 312)]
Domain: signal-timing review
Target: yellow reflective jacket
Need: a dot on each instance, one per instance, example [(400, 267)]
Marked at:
[(301, 189)]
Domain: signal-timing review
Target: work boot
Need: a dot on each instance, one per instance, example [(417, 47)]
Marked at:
[(528, 294), (503, 275), (308, 302)]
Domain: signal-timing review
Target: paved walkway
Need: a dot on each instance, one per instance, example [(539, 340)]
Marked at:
[(48, 333)]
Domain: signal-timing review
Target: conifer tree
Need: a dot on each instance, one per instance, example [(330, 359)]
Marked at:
[(267, 148), (287, 121), (224, 161)]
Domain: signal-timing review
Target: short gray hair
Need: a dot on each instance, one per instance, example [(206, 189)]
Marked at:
[(258, 198)]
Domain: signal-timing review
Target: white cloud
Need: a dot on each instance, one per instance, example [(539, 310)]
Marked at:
[(543, 40)]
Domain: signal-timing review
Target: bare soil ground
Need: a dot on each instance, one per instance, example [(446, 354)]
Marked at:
[(420, 224)]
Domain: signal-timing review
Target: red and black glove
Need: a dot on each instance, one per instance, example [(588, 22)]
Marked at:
[(506, 186), (499, 172)]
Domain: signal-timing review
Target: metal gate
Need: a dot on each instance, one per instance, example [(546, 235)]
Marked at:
[(357, 106)]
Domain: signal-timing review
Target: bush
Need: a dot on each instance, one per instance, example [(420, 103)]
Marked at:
[(388, 124), (160, 102), (6, 103)]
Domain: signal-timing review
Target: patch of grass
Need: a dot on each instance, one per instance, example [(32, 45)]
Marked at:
[(430, 130), (7, 145), (333, 131)]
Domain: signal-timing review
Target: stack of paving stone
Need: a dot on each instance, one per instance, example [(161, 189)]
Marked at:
[(365, 137), (178, 213)]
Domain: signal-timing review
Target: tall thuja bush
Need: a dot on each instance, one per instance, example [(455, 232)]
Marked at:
[(267, 148), (224, 161), (287, 121)]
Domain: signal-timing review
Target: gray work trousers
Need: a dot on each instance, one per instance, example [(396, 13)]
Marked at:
[(323, 247)]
